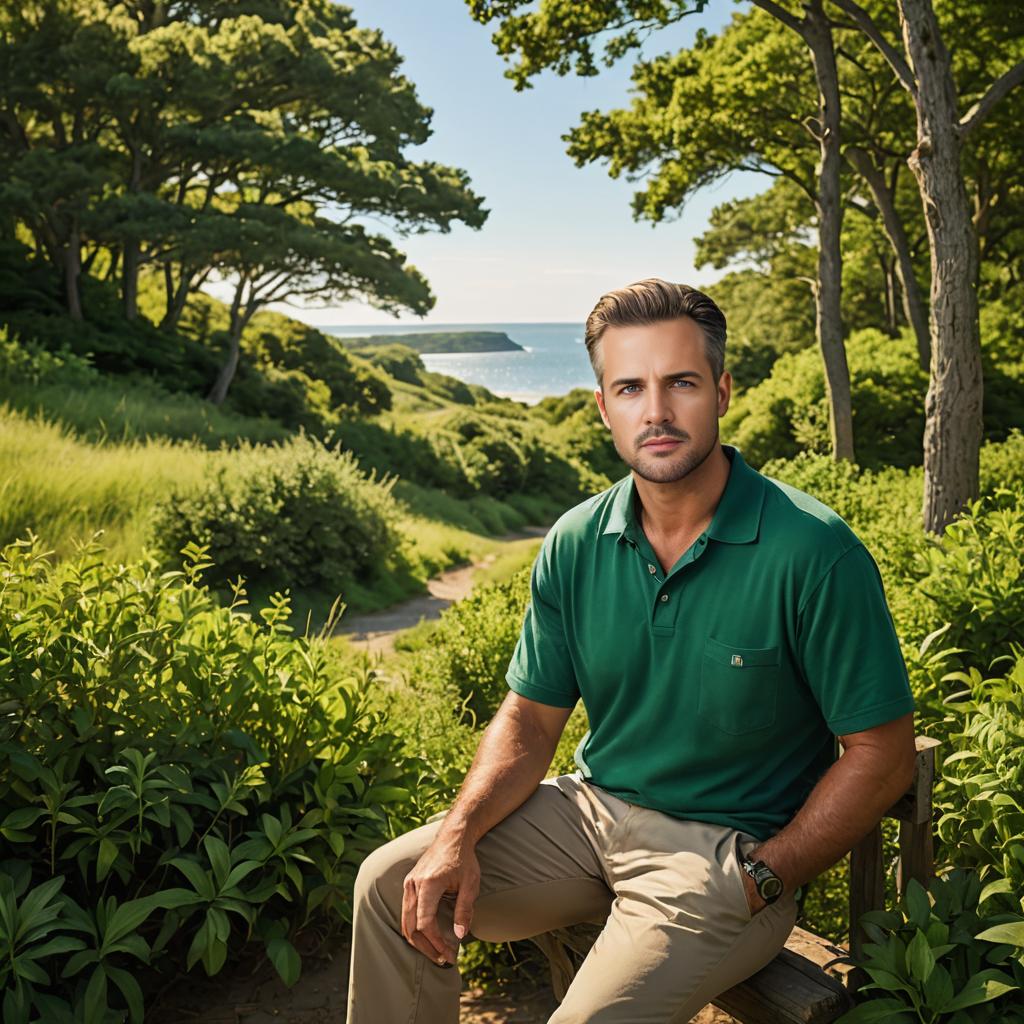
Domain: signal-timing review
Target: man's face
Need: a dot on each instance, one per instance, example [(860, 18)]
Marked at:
[(659, 399)]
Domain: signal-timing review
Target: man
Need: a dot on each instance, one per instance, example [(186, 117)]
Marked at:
[(722, 630)]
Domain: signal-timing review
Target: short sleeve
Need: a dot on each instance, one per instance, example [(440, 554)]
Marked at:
[(541, 668), (848, 648)]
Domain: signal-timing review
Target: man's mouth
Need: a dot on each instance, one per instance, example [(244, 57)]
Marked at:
[(664, 442)]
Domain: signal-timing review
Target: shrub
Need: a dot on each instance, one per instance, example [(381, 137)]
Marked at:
[(788, 411), (299, 513), (940, 955), (981, 795), (176, 777), (473, 644), (973, 579)]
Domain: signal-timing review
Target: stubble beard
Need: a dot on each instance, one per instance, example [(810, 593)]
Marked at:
[(666, 469)]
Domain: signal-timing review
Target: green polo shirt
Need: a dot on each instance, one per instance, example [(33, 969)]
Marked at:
[(714, 692)]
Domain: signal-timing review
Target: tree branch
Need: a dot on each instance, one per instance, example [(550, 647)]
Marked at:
[(780, 13), (999, 88), (887, 50)]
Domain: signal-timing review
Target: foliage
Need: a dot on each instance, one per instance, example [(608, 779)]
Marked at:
[(981, 795), (301, 513), (473, 643), (64, 387), (178, 778), (941, 955), (234, 146), (788, 413), (973, 579)]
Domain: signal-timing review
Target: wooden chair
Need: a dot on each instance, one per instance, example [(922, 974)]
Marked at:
[(803, 985)]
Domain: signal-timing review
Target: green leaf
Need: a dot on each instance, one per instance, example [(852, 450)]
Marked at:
[(877, 1011), (1012, 933), (127, 918), (238, 872), (938, 989), (285, 958), (96, 997), (220, 858), (919, 908), (920, 959), (106, 858), (196, 875), (982, 987), (130, 990), (22, 818), (61, 944), (998, 886)]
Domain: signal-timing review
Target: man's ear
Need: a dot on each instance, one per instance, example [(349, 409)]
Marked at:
[(724, 392), (599, 398)]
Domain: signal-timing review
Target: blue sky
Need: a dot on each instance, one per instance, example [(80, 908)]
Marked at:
[(557, 235)]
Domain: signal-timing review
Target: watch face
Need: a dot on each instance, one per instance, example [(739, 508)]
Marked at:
[(770, 887)]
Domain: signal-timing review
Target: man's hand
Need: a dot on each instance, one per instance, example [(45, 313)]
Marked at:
[(449, 868)]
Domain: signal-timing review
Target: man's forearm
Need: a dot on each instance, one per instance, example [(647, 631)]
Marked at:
[(513, 756), (848, 801)]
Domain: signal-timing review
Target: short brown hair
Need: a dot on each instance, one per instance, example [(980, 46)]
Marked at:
[(652, 301)]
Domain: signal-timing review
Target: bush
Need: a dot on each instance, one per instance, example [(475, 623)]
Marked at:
[(788, 412), (981, 795), (472, 645), (295, 514), (176, 778), (939, 955), (973, 579)]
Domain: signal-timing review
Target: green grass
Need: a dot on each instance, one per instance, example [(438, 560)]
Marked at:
[(132, 409), (64, 489)]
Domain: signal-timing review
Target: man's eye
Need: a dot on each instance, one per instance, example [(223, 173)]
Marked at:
[(689, 384), (626, 390)]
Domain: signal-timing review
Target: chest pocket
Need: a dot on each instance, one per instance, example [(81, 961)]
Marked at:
[(739, 686)]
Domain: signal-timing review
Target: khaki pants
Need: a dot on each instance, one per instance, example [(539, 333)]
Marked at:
[(677, 928)]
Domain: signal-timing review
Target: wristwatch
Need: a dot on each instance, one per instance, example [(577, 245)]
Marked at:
[(769, 885)]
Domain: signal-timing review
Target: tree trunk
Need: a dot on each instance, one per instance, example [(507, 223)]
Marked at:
[(239, 319), (829, 325), (177, 295), (953, 423), (72, 257), (891, 301), (130, 278), (913, 303), (130, 264)]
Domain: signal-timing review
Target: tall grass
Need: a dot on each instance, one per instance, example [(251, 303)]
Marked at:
[(63, 488)]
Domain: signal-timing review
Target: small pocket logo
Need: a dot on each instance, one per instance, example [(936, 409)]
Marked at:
[(737, 661)]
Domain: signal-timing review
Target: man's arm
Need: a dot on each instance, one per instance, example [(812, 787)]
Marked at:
[(514, 754), (876, 769)]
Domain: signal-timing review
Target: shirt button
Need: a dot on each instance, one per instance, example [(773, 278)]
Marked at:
[(651, 569), (664, 597)]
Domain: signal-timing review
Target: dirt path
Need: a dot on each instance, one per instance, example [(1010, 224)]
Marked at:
[(253, 994), (375, 632)]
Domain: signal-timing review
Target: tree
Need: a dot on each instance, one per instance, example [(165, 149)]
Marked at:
[(953, 407)]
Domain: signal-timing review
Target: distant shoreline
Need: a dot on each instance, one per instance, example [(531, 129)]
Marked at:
[(437, 342)]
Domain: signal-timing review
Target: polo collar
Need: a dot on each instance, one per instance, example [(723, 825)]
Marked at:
[(736, 519)]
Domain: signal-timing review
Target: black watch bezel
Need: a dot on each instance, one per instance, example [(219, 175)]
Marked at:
[(764, 878)]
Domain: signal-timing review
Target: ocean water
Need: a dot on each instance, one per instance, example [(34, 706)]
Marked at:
[(555, 360)]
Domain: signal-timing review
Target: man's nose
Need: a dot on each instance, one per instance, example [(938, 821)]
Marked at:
[(658, 409)]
